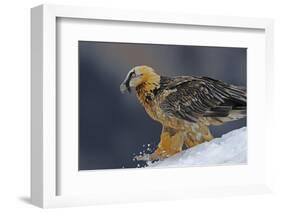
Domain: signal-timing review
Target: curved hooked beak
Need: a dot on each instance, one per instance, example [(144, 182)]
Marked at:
[(125, 86)]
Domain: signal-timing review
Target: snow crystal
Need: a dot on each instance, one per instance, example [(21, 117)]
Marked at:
[(231, 148)]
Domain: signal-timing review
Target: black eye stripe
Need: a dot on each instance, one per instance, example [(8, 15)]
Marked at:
[(128, 85)]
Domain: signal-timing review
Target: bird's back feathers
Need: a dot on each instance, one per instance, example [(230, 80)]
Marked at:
[(193, 98)]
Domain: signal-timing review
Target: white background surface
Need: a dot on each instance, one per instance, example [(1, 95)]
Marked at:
[(15, 106), (99, 184)]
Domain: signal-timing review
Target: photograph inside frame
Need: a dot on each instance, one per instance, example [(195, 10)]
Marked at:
[(159, 105)]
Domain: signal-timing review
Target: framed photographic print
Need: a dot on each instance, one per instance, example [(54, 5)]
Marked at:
[(132, 105)]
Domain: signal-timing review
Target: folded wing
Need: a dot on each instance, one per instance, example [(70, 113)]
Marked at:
[(193, 98)]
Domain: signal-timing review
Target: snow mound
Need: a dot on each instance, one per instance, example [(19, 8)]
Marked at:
[(231, 148)]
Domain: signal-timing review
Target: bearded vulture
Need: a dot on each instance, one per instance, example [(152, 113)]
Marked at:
[(185, 106)]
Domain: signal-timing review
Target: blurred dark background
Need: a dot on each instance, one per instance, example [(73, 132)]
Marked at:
[(114, 127)]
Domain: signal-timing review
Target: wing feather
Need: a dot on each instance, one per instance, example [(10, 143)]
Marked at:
[(197, 97)]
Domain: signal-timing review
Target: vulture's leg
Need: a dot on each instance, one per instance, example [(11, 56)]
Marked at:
[(205, 132), (196, 135), (171, 143)]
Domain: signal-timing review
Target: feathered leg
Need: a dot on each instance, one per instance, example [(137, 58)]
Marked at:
[(197, 135), (172, 140), (171, 143)]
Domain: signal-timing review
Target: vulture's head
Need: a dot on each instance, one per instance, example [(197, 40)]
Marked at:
[(138, 76)]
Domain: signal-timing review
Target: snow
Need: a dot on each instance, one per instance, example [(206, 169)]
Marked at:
[(231, 148)]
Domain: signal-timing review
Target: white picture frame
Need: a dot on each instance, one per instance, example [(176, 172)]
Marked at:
[(44, 149)]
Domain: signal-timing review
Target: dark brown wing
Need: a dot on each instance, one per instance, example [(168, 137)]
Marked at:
[(191, 98)]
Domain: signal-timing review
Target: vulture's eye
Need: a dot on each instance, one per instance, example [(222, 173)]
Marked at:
[(134, 75)]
